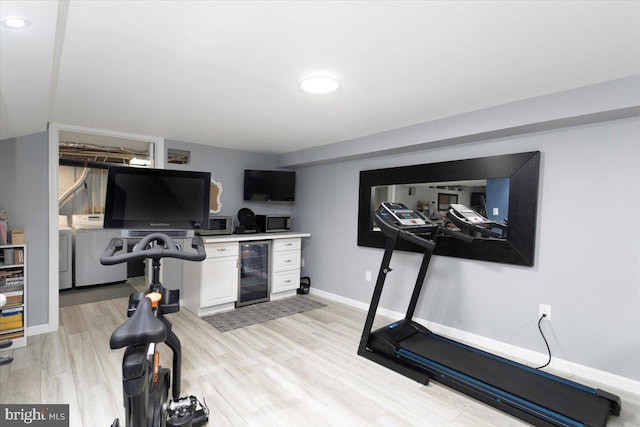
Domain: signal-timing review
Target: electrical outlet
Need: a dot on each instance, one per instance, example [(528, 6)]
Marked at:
[(301, 262), (367, 276), (496, 211), (546, 310)]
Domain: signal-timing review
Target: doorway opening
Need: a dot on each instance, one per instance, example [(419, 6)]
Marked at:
[(78, 161)]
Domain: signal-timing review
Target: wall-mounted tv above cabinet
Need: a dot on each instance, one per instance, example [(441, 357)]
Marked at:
[(274, 186)]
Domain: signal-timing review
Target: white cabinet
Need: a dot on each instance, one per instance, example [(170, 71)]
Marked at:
[(220, 282), (212, 285), (285, 265)]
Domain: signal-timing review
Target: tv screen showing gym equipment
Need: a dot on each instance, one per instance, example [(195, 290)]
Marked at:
[(275, 186), (157, 199)]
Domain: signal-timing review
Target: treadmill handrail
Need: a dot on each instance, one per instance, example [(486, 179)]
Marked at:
[(456, 234), (420, 241)]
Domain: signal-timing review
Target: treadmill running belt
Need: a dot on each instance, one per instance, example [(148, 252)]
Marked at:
[(556, 394)]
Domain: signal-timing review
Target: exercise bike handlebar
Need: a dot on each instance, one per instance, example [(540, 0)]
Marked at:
[(165, 248)]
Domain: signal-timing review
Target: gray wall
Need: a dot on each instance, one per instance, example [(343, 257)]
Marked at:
[(226, 166), (587, 264), (24, 193), (599, 102), (587, 256)]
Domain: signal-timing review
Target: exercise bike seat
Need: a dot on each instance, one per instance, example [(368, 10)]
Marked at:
[(142, 327)]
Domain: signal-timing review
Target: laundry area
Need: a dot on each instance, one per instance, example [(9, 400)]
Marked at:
[(90, 240), (82, 172)]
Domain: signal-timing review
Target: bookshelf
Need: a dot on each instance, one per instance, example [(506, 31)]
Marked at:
[(13, 284)]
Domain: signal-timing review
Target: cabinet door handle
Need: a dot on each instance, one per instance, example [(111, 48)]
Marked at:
[(287, 260), (221, 249), (287, 281)]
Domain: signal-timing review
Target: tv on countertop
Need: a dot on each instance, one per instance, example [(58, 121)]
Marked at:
[(157, 199)]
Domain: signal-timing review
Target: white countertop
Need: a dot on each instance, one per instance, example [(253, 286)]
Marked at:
[(254, 236)]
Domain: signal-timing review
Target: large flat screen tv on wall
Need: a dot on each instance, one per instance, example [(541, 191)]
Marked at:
[(276, 186), (157, 199)]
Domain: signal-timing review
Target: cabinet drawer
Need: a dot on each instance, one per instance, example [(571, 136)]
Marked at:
[(221, 249), (286, 260), (285, 281), (286, 244)]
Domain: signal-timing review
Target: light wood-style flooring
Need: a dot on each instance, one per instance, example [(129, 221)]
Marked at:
[(301, 370)]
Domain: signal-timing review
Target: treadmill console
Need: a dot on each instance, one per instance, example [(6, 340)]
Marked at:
[(398, 221), (471, 221), (402, 214), (469, 215)]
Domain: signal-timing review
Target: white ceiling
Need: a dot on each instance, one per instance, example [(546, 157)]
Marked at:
[(226, 73)]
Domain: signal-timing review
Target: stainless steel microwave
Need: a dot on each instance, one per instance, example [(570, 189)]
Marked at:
[(273, 223), (219, 225)]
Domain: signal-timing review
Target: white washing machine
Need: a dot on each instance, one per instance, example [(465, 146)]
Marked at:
[(90, 241)]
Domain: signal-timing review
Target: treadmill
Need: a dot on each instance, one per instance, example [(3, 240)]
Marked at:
[(409, 348)]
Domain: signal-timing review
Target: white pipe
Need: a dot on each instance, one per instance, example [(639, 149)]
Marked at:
[(74, 187)]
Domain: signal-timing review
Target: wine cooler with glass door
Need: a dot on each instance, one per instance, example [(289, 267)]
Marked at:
[(253, 286)]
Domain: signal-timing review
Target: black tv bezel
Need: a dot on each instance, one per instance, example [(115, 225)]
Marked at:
[(158, 224), (264, 171)]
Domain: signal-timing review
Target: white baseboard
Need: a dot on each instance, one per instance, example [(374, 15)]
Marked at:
[(523, 355), (340, 298), (39, 329)]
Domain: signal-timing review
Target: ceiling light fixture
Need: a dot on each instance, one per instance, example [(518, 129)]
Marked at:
[(16, 22), (319, 84)]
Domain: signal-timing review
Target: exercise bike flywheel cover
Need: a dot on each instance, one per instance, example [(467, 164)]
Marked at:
[(246, 217)]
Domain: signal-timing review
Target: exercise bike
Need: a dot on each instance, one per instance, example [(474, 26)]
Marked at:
[(145, 383)]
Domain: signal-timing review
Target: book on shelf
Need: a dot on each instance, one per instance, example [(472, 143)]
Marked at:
[(11, 327), (11, 314), (16, 324), (11, 280), (11, 322), (13, 290), (7, 256), (13, 298), (3, 231), (6, 335), (11, 273), (17, 286), (18, 256)]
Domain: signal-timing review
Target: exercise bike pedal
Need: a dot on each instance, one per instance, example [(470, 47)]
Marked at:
[(183, 413)]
